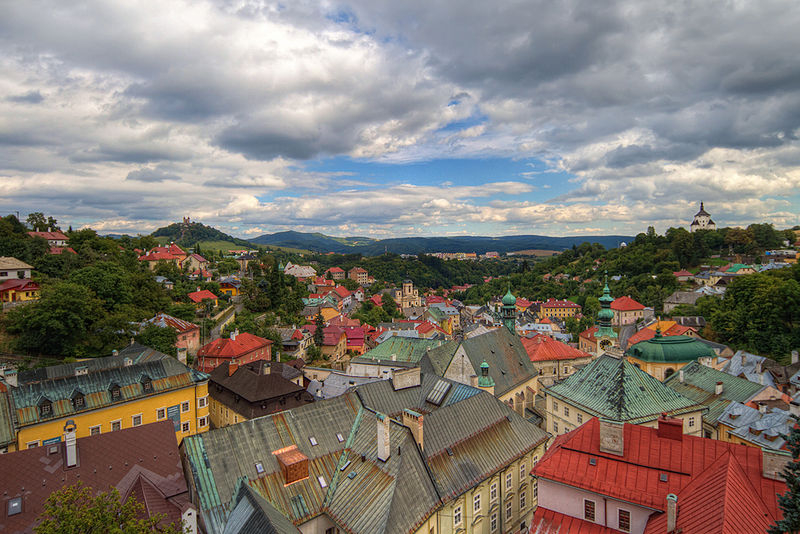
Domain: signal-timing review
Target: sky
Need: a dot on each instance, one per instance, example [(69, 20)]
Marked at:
[(386, 119)]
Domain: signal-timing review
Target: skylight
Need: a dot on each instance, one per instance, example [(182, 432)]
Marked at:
[(313, 440), (322, 483)]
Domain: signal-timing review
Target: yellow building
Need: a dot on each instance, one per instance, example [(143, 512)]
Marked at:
[(19, 290), (661, 357), (558, 309), (133, 388)]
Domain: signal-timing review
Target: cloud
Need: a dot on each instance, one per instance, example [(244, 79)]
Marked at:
[(31, 97), (147, 174)]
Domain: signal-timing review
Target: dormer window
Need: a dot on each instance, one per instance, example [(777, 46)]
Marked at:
[(45, 407), (114, 390), (147, 384), (78, 400)]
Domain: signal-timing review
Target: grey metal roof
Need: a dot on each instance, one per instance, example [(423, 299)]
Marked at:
[(336, 384), (761, 429), (509, 363), (382, 396), (252, 514)]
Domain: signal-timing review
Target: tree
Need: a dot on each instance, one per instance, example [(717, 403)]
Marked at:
[(37, 221), (77, 510), (319, 335), (159, 338), (790, 501)]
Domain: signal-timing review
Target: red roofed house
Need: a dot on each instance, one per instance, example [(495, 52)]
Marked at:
[(559, 309), (358, 274), (683, 275), (523, 304), (172, 253), (377, 300), (188, 333), (668, 328), (342, 296), (336, 273), (356, 339), (54, 239), (554, 359), (612, 477), (142, 461), (334, 342), (194, 262), (587, 342), (626, 311), (201, 295), (243, 348), (18, 290)]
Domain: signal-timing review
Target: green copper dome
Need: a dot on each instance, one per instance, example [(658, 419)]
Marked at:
[(485, 381), (678, 349), (509, 299)]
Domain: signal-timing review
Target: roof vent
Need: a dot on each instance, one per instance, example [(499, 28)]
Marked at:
[(663, 477), (592, 461)]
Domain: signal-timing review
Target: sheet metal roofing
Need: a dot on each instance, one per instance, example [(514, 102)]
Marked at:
[(549, 522), (252, 514), (671, 349), (397, 348), (167, 321), (8, 434), (615, 389), (636, 475), (762, 429), (361, 493), (381, 395), (699, 384), (544, 349)]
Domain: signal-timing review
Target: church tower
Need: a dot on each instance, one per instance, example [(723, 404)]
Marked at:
[(606, 337), (509, 311)]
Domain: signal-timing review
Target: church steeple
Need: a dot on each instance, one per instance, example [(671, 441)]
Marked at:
[(605, 316), (509, 311)]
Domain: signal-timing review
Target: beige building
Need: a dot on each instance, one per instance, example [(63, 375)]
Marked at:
[(407, 296), (359, 275), (13, 269)]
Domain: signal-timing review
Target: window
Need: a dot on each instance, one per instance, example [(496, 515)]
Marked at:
[(509, 509), (691, 421), (493, 492), (566, 429), (535, 486), (476, 503), (259, 468), (116, 425), (457, 516), (14, 506), (45, 408), (185, 427), (185, 406), (202, 402), (580, 418), (522, 472), (493, 522), (522, 502), (588, 510), (566, 411), (202, 422), (115, 394), (32, 444), (147, 384), (94, 430), (136, 420), (555, 427), (161, 413), (508, 481), (340, 438), (535, 460), (78, 402), (312, 440), (624, 521), (555, 406)]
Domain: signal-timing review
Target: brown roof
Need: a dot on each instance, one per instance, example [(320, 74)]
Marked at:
[(118, 459)]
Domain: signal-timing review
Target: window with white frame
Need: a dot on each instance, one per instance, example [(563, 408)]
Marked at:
[(94, 430), (476, 503), (185, 406), (522, 502), (116, 425), (624, 521), (535, 490), (202, 402), (186, 426), (509, 479), (161, 413), (493, 522), (580, 418), (493, 492), (202, 422), (136, 420), (555, 427), (522, 472), (457, 516), (566, 411), (509, 509), (588, 510), (32, 444)]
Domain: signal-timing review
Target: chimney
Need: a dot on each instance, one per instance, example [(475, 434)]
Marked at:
[(759, 366), (761, 379), (413, 420), (182, 355), (672, 512), (234, 334), (394, 357), (384, 446), (773, 463), (115, 352), (762, 408), (612, 438), (232, 367), (11, 377), (680, 376), (198, 288), (70, 444), (670, 428), (266, 368), (795, 356), (473, 381), (718, 389)]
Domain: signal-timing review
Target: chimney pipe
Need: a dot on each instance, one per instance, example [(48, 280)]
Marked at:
[(234, 334), (718, 389), (672, 512), (795, 356), (70, 444), (612, 437), (11, 377), (473, 381), (680, 376), (232, 367), (414, 421), (762, 408), (384, 446)]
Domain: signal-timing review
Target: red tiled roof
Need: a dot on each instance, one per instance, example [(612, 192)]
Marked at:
[(200, 296), (341, 291), (335, 270), (377, 300), (198, 257), (341, 320), (19, 284), (61, 250), (113, 459), (50, 236), (233, 348), (636, 476), (589, 333), (626, 304), (523, 303), (158, 256), (552, 303), (545, 348), (357, 270), (646, 334), (168, 321), (331, 334), (682, 272), (549, 522)]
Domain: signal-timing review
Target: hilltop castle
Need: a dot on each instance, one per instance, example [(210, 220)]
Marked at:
[(702, 221)]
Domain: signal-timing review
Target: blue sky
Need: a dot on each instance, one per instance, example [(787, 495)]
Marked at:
[(377, 118)]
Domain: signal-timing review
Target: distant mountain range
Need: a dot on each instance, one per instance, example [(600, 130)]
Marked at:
[(421, 245)]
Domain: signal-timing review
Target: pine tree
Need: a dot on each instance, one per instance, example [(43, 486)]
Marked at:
[(319, 335), (790, 501)]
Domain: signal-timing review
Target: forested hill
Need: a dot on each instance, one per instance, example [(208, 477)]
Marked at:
[(425, 245), (188, 234)]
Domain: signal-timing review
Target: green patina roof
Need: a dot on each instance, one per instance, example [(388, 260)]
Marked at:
[(617, 390), (670, 349), (8, 434), (509, 299), (405, 349), (699, 384)]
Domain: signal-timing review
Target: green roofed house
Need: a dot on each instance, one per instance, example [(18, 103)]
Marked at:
[(661, 356), (397, 352), (716, 390), (613, 389)]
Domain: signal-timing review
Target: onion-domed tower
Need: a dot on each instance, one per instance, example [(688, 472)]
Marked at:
[(606, 337), (509, 311)]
